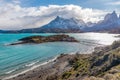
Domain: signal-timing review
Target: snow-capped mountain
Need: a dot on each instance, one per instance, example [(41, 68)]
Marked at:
[(111, 21), (59, 25), (67, 24)]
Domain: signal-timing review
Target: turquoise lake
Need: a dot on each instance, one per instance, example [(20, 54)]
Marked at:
[(17, 58)]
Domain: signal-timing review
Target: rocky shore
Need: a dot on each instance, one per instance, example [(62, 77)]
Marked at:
[(44, 72), (102, 64), (43, 39)]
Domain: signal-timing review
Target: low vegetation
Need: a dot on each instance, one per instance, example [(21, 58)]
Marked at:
[(43, 39), (102, 64)]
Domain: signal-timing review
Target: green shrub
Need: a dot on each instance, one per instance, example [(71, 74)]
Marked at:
[(66, 75)]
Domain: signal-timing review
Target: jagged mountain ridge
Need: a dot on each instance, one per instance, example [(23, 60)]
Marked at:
[(110, 22)]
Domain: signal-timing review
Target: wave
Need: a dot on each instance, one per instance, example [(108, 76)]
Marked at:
[(27, 65), (31, 64), (33, 67), (10, 71)]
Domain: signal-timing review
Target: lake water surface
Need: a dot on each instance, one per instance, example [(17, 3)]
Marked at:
[(16, 58)]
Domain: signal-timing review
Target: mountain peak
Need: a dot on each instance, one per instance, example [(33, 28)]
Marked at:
[(61, 23), (59, 18), (111, 17), (114, 12)]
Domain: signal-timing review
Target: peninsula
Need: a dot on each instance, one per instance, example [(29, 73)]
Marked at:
[(43, 39)]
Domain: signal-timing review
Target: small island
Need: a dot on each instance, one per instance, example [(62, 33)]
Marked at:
[(43, 39)]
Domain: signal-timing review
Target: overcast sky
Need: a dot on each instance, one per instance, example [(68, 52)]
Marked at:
[(22, 14)]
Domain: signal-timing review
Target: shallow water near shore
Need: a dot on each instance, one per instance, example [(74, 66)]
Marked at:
[(16, 58)]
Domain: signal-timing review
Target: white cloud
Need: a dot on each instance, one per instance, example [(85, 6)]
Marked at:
[(16, 1), (17, 17), (115, 3)]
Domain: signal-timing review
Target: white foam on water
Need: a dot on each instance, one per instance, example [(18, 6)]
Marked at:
[(36, 66), (31, 64), (10, 71)]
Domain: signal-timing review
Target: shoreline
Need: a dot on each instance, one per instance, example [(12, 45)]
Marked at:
[(48, 62), (31, 68), (52, 66), (41, 65)]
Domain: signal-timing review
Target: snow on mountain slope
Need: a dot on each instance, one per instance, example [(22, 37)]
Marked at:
[(111, 21), (63, 23)]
